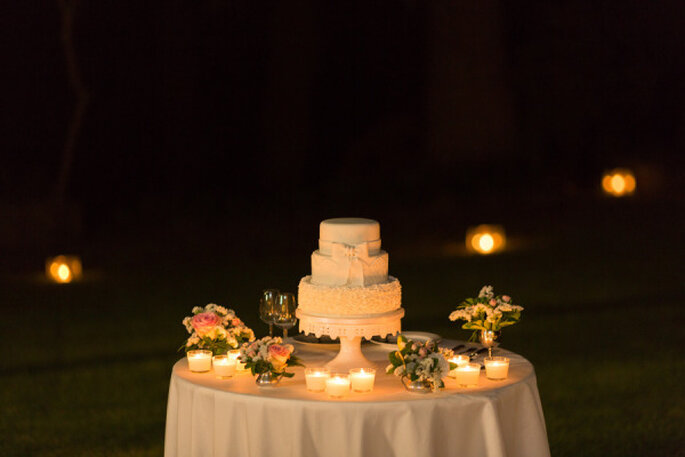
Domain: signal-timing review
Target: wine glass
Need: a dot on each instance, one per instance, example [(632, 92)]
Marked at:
[(284, 316), (267, 307)]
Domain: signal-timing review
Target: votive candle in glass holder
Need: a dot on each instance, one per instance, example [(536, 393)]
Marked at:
[(461, 359), (199, 360), (239, 366), (338, 385), (362, 379), (316, 378), (468, 374), (224, 366), (496, 368)]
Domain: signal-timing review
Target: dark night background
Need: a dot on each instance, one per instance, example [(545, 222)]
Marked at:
[(205, 113), (217, 135)]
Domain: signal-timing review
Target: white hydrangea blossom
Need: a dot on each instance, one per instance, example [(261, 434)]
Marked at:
[(486, 291)]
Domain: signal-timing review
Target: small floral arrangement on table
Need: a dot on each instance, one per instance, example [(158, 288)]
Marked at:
[(215, 328), (420, 362), (269, 355), (487, 312)]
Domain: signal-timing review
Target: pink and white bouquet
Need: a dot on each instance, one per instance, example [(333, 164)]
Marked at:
[(215, 328), (487, 311), (269, 354), (420, 362)]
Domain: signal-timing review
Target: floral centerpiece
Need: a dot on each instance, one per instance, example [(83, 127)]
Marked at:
[(269, 356), (422, 364), (486, 315), (215, 328)]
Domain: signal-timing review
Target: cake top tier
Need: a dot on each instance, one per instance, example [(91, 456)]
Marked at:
[(349, 230)]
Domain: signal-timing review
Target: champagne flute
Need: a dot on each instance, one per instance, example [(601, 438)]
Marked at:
[(284, 316), (267, 308)]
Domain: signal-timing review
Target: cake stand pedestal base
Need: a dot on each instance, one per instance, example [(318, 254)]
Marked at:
[(350, 330), (350, 356)]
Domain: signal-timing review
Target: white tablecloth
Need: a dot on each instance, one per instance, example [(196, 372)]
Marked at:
[(209, 417)]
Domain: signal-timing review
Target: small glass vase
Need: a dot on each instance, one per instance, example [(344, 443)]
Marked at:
[(417, 387), (490, 339), (267, 379)]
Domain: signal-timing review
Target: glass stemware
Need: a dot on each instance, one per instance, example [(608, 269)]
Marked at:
[(284, 316), (267, 308)]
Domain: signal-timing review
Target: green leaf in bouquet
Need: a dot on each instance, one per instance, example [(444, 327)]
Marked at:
[(294, 361), (394, 358)]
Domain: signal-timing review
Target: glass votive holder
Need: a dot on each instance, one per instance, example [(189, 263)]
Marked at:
[(338, 385), (496, 368), (239, 366), (224, 366), (316, 378), (468, 374), (199, 360), (461, 359), (362, 379)]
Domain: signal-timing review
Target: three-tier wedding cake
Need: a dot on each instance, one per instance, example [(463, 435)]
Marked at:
[(349, 272)]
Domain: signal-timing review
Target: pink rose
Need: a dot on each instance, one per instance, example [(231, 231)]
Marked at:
[(236, 322), (279, 353), (506, 298), (203, 323), (493, 302)]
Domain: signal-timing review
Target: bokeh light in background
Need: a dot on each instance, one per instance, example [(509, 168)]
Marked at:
[(485, 239), (619, 182), (63, 269)]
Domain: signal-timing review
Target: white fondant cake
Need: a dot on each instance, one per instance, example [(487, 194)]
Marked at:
[(349, 272)]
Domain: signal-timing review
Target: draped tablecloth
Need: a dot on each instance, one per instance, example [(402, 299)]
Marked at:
[(210, 417)]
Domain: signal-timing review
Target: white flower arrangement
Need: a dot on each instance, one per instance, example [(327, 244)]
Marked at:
[(487, 311), (423, 362), (215, 328), (269, 354)]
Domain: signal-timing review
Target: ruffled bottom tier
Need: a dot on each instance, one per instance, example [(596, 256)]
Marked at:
[(349, 301)]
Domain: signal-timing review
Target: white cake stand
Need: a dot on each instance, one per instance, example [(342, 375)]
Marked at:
[(350, 330)]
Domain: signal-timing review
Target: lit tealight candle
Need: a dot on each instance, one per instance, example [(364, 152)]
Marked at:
[(239, 366), (468, 374), (316, 378), (224, 366), (338, 385), (461, 359), (199, 360), (496, 368), (362, 379)]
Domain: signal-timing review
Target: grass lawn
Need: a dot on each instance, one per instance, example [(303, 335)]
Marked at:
[(85, 367)]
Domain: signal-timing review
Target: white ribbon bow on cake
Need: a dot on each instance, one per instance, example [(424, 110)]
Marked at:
[(352, 259)]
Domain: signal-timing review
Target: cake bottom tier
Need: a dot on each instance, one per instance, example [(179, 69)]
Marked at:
[(343, 301)]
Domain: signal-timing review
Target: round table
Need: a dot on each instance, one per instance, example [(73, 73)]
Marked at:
[(207, 416)]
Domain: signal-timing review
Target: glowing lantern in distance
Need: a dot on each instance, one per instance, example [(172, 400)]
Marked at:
[(63, 269), (485, 239), (619, 182)]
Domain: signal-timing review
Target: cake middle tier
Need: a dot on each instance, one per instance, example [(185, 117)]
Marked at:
[(350, 270), (343, 301)]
